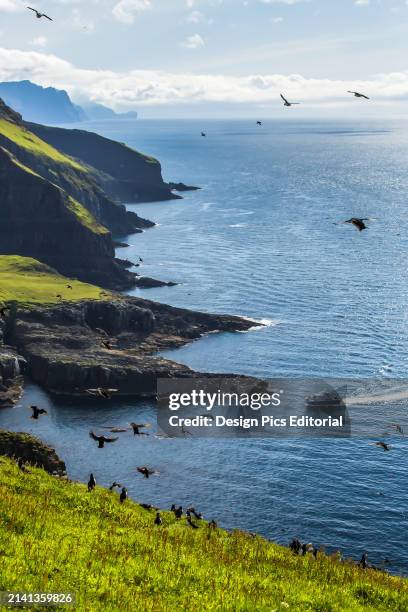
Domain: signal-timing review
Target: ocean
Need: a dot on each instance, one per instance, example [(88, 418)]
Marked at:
[(263, 239)]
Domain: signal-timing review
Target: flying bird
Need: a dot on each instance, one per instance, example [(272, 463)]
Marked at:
[(101, 392), (358, 223), (383, 445), (137, 427), (356, 94), (287, 103), (91, 483), (38, 14), (101, 440), (203, 134), (115, 485), (36, 412), (123, 495), (146, 472), (259, 123), (398, 428)]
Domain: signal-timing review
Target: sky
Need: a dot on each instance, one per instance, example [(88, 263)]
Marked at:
[(196, 58)]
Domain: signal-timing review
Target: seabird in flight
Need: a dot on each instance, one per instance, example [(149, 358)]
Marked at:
[(287, 103), (38, 14), (101, 439), (356, 94), (37, 411)]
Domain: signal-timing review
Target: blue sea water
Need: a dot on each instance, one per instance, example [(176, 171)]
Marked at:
[(262, 239)]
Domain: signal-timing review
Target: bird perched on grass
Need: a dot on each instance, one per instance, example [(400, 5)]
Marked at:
[(123, 495), (287, 103), (364, 561), (357, 94), (69, 286), (192, 510), (213, 525), (115, 485), (102, 392), (178, 512), (138, 426), (101, 440), (190, 522), (386, 447), (21, 466), (158, 520), (91, 483), (38, 14), (36, 412), (146, 472)]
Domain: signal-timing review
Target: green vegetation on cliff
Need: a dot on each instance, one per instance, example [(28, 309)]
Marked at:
[(32, 143), (27, 281), (57, 537)]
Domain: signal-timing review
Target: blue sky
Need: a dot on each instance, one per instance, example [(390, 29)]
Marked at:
[(198, 57)]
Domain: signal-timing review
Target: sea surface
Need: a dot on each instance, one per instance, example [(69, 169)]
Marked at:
[(262, 239)]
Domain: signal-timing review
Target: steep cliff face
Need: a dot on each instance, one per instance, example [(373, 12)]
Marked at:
[(32, 451), (124, 173), (75, 177), (40, 220)]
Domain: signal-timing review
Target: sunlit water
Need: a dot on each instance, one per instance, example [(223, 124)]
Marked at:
[(260, 239)]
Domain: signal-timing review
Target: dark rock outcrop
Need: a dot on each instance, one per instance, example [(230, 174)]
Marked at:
[(31, 450), (182, 187), (64, 350)]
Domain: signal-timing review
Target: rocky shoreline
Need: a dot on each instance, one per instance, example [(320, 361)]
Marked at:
[(32, 451), (62, 347)]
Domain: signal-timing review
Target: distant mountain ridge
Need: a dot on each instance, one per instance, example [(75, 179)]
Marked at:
[(52, 106)]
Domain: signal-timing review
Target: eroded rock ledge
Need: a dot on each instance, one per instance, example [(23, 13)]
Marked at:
[(31, 450), (63, 344)]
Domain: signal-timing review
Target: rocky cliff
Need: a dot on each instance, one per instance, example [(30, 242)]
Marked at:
[(124, 174), (63, 344), (32, 451)]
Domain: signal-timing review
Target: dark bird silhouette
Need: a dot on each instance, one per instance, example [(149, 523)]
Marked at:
[(146, 472), (36, 412), (398, 428), (203, 134), (123, 495), (178, 512), (115, 429), (192, 510), (3, 312), (107, 345), (148, 507), (91, 483), (59, 296), (383, 445), (213, 525), (358, 223), (356, 94), (69, 286), (115, 485), (287, 103), (158, 520), (141, 260), (295, 546), (38, 14), (101, 392), (190, 522), (259, 123), (101, 440), (364, 561), (21, 466), (137, 427)]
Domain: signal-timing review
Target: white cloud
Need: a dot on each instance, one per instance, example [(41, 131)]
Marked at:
[(198, 17), (193, 42), (137, 88), (10, 6), (127, 10), (40, 41), (362, 2), (283, 1)]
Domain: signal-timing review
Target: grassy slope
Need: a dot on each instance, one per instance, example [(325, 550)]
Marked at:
[(27, 281), (29, 141), (55, 537)]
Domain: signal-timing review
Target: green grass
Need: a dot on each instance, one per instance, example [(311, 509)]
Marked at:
[(29, 141), (27, 281), (57, 537), (85, 217)]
